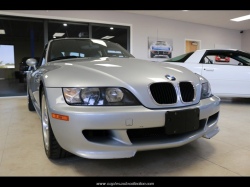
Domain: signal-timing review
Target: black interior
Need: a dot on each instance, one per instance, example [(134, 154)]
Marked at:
[(236, 55)]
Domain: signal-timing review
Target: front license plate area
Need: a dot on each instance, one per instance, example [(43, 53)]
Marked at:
[(182, 121)]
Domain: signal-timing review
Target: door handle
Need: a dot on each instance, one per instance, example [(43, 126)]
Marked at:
[(209, 69)]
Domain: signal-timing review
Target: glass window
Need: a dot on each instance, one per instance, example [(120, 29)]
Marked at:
[(226, 60), (66, 29), (181, 58), (77, 48), (245, 58), (21, 39), (111, 33)]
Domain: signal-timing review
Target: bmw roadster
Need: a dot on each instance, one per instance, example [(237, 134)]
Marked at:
[(96, 100)]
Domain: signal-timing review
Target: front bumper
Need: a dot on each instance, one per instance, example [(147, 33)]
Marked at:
[(118, 119)]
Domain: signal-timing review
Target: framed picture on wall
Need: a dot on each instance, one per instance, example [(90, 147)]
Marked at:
[(160, 47)]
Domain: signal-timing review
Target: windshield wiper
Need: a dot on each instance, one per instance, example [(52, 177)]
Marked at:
[(63, 57)]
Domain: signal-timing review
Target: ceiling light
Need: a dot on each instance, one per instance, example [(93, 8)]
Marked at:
[(54, 37), (2, 31), (58, 34), (111, 28), (65, 24), (242, 18)]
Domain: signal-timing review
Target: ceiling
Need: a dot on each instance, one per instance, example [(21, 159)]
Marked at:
[(217, 18)]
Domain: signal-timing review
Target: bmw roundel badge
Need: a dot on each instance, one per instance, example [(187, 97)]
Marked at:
[(172, 78)]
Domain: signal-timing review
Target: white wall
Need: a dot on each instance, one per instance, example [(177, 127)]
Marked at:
[(245, 46), (144, 26)]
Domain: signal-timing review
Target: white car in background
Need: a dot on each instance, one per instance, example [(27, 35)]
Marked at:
[(230, 79)]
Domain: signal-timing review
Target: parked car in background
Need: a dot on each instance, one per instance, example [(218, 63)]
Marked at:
[(96, 100), (227, 79), (23, 68), (221, 58), (160, 49)]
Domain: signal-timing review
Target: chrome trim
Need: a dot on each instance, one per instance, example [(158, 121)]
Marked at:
[(178, 84), (177, 98)]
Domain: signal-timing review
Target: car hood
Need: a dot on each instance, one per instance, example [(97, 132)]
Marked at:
[(133, 74)]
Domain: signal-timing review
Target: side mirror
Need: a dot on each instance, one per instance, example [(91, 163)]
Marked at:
[(32, 62)]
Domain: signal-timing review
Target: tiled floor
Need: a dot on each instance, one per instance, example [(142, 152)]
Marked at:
[(226, 154)]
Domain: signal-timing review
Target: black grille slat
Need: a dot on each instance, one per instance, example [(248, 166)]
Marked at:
[(187, 91), (163, 93)]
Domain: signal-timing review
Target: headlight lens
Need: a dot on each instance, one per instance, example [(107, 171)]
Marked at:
[(72, 95), (205, 90), (90, 95), (99, 96), (114, 95)]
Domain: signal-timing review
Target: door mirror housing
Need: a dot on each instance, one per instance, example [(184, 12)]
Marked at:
[(32, 62)]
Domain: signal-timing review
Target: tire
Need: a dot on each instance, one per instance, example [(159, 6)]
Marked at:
[(30, 104), (52, 148), (152, 55)]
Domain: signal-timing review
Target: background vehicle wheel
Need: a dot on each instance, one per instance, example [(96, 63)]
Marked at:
[(30, 104), (152, 55), (52, 148)]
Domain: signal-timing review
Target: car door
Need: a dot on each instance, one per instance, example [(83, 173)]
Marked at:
[(228, 79), (35, 79)]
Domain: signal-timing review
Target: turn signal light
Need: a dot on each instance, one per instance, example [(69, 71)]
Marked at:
[(60, 117)]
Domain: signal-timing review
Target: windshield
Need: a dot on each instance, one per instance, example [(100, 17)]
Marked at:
[(81, 48), (181, 58), (160, 43)]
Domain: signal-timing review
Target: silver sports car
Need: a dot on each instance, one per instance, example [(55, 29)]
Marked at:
[(96, 100)]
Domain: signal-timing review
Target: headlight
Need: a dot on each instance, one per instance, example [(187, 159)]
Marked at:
[(205, 90), (99, 96), (205, 87), (72, 95), (113, 95)]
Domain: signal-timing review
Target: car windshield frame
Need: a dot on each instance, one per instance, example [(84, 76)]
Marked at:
[(60, 49)]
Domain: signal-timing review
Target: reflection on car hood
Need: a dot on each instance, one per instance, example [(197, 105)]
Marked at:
[(130, 73)]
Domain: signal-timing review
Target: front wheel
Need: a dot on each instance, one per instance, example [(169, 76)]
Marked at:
[(152, 55), (52, 148)]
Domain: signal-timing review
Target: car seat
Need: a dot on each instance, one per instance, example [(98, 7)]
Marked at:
[(94, 53)]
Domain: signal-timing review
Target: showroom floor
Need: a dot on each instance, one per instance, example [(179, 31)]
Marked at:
[(226, 154)]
